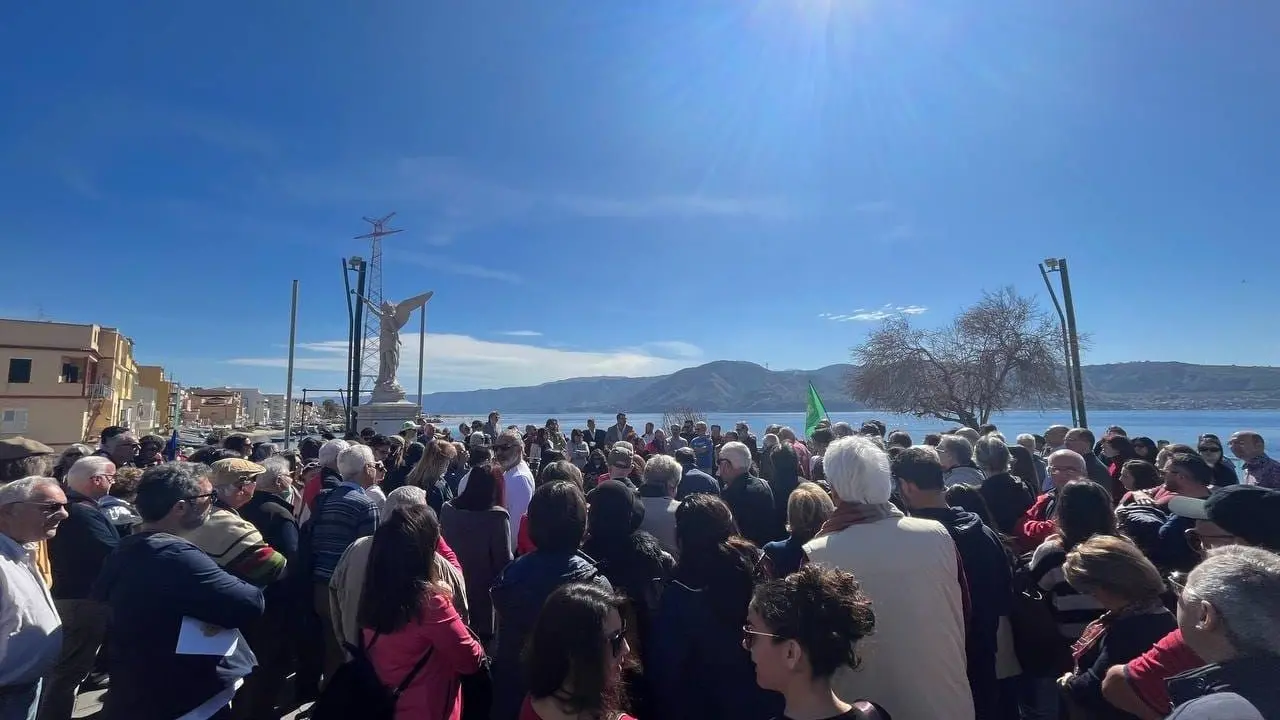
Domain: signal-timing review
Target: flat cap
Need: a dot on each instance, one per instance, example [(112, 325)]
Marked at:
[(17, 448)]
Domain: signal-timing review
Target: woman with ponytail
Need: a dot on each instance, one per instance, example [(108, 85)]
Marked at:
[(696, 661)]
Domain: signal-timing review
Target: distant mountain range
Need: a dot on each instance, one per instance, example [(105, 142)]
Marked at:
[(736, 386)]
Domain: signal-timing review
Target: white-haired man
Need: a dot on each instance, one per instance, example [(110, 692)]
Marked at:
[(750, 498), (662, 476), (342, 515), (1037, 523), (30, 629), (910, 569), (508, 452), (956, 456), (1229, 616), (83, 542)]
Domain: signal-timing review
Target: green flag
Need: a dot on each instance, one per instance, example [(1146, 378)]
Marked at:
[(814, 412)]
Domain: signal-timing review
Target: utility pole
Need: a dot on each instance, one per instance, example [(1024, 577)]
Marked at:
[(355, 343), (1059, 265), (1066, 346), (288, 383)]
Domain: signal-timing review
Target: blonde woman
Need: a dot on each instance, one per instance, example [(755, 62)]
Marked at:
[(808, 508)]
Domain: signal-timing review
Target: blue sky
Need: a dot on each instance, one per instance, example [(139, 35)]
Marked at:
[(627, 188)]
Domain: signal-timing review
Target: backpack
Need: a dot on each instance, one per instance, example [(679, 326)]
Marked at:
[(1040, 647), (356, 692)]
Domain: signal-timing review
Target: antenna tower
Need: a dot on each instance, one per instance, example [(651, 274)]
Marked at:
[(373, 291)]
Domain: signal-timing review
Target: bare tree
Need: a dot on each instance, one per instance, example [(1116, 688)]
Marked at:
[(679, 416), (1002, 351)]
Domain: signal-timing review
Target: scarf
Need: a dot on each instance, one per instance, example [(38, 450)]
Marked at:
[(848, 514), (1096, 629)]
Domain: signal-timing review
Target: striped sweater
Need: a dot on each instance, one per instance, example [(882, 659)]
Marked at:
[(1073, 610), (237, 547), (341, 516)]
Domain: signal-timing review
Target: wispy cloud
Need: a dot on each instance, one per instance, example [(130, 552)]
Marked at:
[(521, 333), (462, 362), (445, 265), (884, 312), (460, 199)]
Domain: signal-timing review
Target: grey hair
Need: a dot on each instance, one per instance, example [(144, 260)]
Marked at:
[(663, 471), (163, 485), (1028, 441), (402, 497), (352, 461), (1242, 583), (770, 442), (87, 467), (992, 455), (328, 455), (956, 448), (22, 490), (275, 474), (967, 433), (77, 449), (737, 454), (842, 429)]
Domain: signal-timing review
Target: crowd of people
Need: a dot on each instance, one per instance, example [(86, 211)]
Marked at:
[(672, 573)]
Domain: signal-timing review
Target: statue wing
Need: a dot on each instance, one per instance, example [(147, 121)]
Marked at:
[(406, 307)]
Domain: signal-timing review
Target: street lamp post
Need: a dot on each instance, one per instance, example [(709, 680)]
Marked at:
[(1059, 265), (1066, 344)]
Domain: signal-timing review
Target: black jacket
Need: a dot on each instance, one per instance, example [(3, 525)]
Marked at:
[(751, 501), (83, 542), (151, 582), (273, 516), (1007, 499), (1240, 689), (990, 579), (697, 665), (518, 595), (1125, 639), (1224, 474)]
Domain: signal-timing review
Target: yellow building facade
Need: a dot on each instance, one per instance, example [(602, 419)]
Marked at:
[(154, 377), (63, 383)]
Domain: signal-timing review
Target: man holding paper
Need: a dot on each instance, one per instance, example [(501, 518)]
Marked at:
[(176, 613)]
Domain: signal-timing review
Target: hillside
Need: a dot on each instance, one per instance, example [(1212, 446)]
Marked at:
[(736, 386)]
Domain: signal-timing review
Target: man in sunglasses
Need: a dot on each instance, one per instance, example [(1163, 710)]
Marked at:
[(119, 445), (233, 542), (155, 583), (30, 511)]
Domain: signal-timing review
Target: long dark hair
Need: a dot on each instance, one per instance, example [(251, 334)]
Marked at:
[(1144, 474), (484, 489), (1024, 468), (564, 657), (1123, 449), (714, 557), (401, 570), (1084, 510)]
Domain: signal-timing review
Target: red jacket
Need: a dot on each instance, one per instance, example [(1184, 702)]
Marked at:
[(435, 693), (1035, 525)]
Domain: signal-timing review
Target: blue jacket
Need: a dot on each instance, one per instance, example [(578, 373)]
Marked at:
[(150, 583), (697, 666), (693, 480)]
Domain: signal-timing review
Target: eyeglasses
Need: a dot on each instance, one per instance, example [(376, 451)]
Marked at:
[(616, 639), (109, 478), (1177, 583), (245, 482), (46, 508), (749, 635), (1196, 540), (202, 496), (1204, 450)]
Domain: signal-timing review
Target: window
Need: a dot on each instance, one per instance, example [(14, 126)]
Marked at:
[(13, 421), (20, 370), (70, 371)]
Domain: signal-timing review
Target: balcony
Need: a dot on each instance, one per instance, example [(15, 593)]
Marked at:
[(99, 392)]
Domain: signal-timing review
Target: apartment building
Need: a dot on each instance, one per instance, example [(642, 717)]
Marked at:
[(168, 393), (64, 382), (213, 406)]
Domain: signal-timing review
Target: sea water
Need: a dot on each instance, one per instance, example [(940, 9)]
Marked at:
[(1176, 426)]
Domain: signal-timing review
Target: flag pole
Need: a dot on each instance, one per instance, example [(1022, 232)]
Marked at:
[(288, 383)]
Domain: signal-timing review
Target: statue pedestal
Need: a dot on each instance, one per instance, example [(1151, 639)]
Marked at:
[(386, 418)]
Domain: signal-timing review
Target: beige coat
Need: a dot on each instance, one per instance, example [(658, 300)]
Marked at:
[(348, 580)]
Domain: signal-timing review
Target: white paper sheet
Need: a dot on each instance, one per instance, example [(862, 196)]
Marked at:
[(197, 637)]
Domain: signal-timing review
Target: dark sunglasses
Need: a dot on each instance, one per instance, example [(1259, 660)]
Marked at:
[(46, 508), (202, 496), (1210, 449)]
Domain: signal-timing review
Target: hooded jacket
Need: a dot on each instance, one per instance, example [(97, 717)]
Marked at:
[(518, 595), (990, 578), (1243, 688)]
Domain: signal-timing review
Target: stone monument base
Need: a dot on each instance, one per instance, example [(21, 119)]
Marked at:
[(386, 418)]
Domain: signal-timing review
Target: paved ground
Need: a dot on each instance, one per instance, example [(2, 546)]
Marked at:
[(89, 703)]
